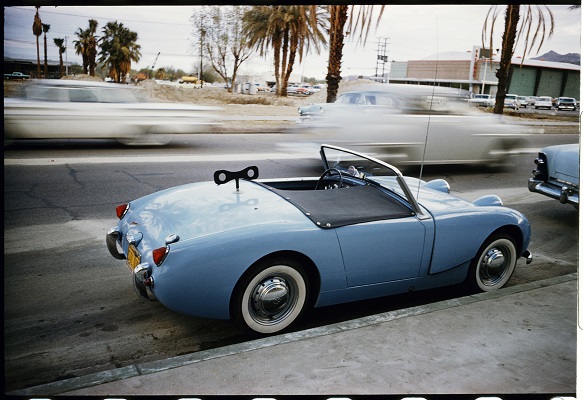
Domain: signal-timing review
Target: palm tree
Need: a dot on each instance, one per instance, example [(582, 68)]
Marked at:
[(262, 26), (59, 42), (305, 25), (81, 47), (37, 30), (339, 16), (533, 15), (286, 30), (92, 46), (118, 50), (46, 28), (86, 46)]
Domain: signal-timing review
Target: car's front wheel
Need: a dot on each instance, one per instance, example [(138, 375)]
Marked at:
[(494, 264), (271, 296)]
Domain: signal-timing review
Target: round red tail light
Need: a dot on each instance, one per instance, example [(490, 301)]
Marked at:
[(121, 210), (159, 254)]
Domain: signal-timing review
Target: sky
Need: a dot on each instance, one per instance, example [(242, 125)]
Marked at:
[(410, 32)]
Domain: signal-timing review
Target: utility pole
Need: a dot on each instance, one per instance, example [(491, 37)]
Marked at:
[(382, 57), (202, 35), (152, 73), (66, 56)]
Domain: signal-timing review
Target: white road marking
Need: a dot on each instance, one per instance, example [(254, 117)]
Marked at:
[(183, 158), (54, 236), (151, 159)]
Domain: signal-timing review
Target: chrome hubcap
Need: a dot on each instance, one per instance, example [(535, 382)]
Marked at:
[(270, 297), (493, 266)]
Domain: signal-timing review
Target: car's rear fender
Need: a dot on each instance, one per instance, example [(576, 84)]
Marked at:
[(459, 236), (198, 278)]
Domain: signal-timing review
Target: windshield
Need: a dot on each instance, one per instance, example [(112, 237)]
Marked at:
[(366, 168), (355, 164)]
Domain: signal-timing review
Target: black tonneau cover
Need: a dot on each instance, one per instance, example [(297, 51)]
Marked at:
[(345, 206)]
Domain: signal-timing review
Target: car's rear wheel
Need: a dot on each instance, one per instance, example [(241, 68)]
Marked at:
[(494, 264), (271, 296)]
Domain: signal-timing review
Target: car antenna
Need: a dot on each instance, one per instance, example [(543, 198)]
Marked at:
[(430, 107)]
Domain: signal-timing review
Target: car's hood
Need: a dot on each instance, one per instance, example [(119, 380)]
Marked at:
[(201, 209), (432, 200)]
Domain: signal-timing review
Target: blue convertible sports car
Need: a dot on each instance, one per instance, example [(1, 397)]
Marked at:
[(261, 251)]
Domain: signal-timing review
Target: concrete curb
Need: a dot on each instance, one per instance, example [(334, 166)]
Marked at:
[(98, 378)]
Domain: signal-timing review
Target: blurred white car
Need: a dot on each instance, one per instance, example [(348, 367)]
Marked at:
[(481, 100), (72, 109), (543, 102), (408, 124)]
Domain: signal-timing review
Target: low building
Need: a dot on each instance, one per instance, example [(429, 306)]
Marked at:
[(476, 72)]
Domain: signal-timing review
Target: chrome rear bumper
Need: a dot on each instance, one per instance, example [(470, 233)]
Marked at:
[(566, 194)]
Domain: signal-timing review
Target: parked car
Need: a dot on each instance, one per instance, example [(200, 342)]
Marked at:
[(566, 103), (530, 100), (522, 101), (72, 109), (481, 100), (262, 251), (408, 125), (315, 89), (511, 101), (543, 102), (557, 173), (16, 75)]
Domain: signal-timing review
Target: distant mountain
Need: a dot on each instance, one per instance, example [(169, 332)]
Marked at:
[(570, 58)]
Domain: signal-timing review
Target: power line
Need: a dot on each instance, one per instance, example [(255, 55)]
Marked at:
[(44, 11)]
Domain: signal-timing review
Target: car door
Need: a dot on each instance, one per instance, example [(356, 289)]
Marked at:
[(382, 251)]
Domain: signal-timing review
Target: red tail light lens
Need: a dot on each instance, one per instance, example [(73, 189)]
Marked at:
[(159, 254), (121, 210)]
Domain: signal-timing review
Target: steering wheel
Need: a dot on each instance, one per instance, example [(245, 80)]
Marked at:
[(329, 172)]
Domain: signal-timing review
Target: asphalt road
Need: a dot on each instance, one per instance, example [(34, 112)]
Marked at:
[(70, 308)]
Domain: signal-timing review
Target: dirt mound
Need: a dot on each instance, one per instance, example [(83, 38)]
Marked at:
[(82, 77), (177, 93)]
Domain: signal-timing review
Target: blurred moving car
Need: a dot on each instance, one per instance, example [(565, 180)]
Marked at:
[(72, 109), (557, 173), (522, 101), (359, 230), (481, 100), (408, 125), (566, 103), (543, 102)]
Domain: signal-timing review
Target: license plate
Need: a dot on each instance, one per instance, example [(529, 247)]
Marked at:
[(133, 257)]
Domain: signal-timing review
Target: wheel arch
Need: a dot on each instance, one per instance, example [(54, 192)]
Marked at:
[(514, 232), (306, 262)]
